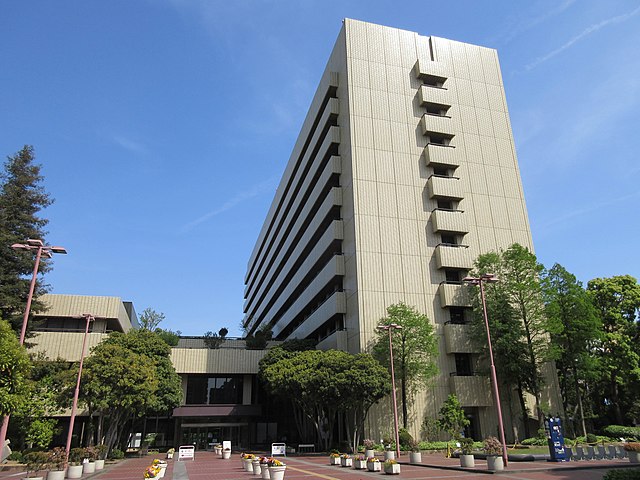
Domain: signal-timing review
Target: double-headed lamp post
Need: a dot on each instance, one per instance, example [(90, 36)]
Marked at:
[(41, 249), (389, 328), (480, 280), (89, 318)]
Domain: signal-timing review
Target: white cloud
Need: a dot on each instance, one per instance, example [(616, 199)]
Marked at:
[(131, 145), (585, 33), (264, 187)]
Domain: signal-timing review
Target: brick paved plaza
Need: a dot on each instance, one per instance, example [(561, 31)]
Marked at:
[(208, 466)]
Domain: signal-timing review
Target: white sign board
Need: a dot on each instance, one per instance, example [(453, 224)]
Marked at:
[(186, 451), (226, 444), (278, 449)]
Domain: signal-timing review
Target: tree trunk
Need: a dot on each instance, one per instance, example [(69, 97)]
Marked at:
[(579, 401), (523, 407)]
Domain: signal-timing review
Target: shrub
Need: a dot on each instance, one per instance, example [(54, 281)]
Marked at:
[(492, 446), (622, 474), (632, 446), (620, 431), (76, 455), (117, 454), (406, 439), (16, 457), (591, 438), (466, 445), (368, 443), (433, 445), (36, 461), (57, 458)]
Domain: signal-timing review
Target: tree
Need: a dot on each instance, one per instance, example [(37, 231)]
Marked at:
[(22, 196), (259, 340), (214, 340), (617, 302), (516, 302), (414, 351), (130, 375), (324, 385), (577, 331), (150, 319), (452, 418), (14, 370)]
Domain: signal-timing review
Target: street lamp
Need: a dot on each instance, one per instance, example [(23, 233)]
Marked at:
[(89, 318), (41, 249), (480, 281), (389, 328)]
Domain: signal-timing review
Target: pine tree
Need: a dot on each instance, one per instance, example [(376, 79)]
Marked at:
[(22, 196)]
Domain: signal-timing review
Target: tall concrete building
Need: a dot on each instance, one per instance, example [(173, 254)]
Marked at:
[(403, 173)]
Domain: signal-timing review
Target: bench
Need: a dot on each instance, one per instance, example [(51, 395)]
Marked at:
[(306, 447)]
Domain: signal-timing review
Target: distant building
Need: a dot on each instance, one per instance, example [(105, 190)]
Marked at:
[(404, 171)]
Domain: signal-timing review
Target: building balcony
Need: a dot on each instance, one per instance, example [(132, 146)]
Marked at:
[(437, 155), (472, 391), (439, 125), (454, 221), (432, 70), (453, 256), (335, 304), (452, 295), (458, 339), (444, 187), (435, 95)]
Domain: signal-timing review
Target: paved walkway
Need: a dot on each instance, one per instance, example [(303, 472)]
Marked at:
[(208, 466)]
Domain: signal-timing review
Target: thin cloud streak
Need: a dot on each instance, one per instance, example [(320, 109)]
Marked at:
[(264, 187), (585, 33), (129, 144)]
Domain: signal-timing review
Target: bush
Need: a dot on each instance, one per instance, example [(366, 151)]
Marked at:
[(15, 457), (591, 438), (36, 461), (622, 474), (117, 454), (433, 445), (534, 441), (406, 439), (620, 431)]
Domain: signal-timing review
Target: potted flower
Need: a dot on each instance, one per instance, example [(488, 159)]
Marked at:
[(247, 461), (152, 471), (226, 453), (389, 454), (466, 455), (170, 453), (369, 446), (334, 458), (76, 456), (161, 465), (90, 454), (101, 453), (257, 468), (633, 449), (217, 448), (346, 460), (57, 459), (360, 462), (391, 467), (36, 462), (493, 448), (415, 456), (264, 468), (276, 469), (373, 464)]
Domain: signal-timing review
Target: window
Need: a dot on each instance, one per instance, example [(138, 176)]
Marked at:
[(448, 239), (456, 314), (452, 276), (442, 171), (464, 366), (437, 139), (203, 390), (445, 204)]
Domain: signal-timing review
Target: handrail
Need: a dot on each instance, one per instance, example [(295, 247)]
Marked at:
[(447, 210), (442, 176), (456, 245)]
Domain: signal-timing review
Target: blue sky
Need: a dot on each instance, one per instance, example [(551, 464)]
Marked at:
[(163, 128)]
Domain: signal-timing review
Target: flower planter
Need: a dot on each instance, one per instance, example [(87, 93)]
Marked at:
[(264, 471), (226, 454), (374, 466), (369, 453), (248, 466), (56, 475), (169, 456), (257, 468), (277, 473), (360, 464), (346, 462), (393, 469), (495, 463), (415, 457), (89, 467), (33, 478), (99, 464), (467, 461), (74, 471), (389, 455), (334, 460), (634, 457)]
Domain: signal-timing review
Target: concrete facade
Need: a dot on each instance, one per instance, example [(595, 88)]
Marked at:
[(403, 173)]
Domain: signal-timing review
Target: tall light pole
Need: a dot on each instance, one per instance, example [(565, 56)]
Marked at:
[(41, 249), (89, 318), (389, 328), (491, 278)]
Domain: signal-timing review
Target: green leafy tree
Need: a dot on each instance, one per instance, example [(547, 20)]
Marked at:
[(452, 418), (414, 351), (617, 302), (260, 339), (130, 375), (150, 319), (14, 370), (170, 337), (516, 310), (214, 340), (22, 197), (577, 331)]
